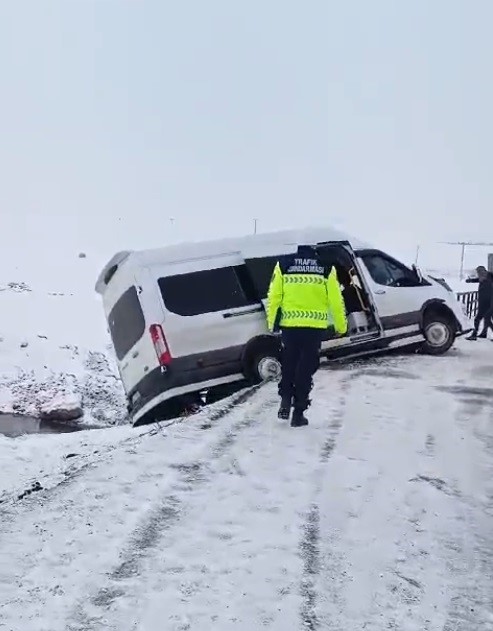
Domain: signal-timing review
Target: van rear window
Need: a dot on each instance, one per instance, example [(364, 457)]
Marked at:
[(206, 291), (127, 322)]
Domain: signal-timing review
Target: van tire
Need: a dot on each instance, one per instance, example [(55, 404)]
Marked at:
[(265, 367), (262, 360), (440, 330)]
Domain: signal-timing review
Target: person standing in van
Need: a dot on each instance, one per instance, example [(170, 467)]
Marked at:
[(302, 294)]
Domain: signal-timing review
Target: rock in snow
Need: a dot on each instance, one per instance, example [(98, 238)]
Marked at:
[(62, 408), (56, 361)]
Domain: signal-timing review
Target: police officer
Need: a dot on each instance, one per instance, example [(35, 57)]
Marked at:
[(302, 294)]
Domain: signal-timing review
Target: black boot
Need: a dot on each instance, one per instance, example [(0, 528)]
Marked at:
[(298, 419), (473, 337), (483, 335), (284, 409)]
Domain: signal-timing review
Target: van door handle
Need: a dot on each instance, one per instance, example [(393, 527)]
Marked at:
[(380, 291), (235, 314)]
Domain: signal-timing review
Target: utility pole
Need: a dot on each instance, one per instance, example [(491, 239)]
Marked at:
[(418, 247), (463, 245), (255, 226)]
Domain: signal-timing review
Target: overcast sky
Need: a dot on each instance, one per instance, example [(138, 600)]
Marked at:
[(117, 116)]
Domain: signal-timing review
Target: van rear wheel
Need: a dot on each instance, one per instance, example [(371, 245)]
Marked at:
[(262, 359), (439, 332), (266, 367)]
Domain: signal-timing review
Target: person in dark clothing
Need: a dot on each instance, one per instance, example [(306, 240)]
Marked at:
[(485, 303), (303, 295)]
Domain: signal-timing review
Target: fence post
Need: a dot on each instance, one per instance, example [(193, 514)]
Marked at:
[(470, 300)]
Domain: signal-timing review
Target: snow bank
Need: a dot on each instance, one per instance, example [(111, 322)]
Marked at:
[(42, 460), (55, 355)]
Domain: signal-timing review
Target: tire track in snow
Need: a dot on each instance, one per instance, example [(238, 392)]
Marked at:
[(48, 485), (77, 532), (310, 544), (310, 553), (333, 565), (89, 615), (167, 514), (232, 559), (51, 483), (310, 540), (443, 541), (471, 603)]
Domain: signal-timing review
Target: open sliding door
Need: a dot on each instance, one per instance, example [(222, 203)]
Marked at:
[(364, 320)]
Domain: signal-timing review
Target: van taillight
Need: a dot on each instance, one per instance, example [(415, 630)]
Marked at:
[(160, 344)]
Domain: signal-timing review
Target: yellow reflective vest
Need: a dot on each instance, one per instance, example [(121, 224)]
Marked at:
[(303, 293)]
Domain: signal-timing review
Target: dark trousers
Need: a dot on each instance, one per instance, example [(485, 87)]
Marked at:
[(300, 360), (487, 316)]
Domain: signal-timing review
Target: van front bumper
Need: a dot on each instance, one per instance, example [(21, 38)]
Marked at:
[(464, 323)]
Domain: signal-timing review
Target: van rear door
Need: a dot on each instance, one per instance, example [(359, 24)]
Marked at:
[(129, 319)]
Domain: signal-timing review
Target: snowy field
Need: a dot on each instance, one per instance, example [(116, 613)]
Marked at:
[(378, 516), (55, 354)]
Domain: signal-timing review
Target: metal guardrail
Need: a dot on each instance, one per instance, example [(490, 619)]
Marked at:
[(470, 300)]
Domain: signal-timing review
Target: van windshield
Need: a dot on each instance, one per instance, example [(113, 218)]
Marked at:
[(126, 322)]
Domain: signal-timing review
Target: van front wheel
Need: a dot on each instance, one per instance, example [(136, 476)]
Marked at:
[(439, 332)]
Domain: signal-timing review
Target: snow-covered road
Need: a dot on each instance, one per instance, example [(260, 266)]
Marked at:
[(378, 516)]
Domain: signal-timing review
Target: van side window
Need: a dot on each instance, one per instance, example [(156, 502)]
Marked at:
[(260, 271), (126, 322), (206, 291), (388, 272)]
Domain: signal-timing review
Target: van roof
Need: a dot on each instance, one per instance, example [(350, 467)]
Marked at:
[(200, 249)]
